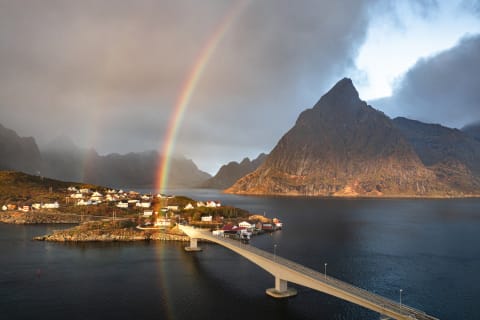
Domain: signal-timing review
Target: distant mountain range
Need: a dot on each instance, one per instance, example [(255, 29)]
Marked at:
[(231, 172), (344, 147), (62, 159)]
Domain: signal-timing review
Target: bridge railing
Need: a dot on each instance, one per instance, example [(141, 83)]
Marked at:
[(328, 280)]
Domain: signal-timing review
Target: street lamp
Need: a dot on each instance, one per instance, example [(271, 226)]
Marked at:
[(326, 271), (401, 297), (274, 252)]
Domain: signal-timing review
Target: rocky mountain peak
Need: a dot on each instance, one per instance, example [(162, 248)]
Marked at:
[(342, 95)]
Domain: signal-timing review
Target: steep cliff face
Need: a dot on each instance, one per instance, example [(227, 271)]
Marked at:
[(453, 155), (18, 153), (342, 147), (231, 172)]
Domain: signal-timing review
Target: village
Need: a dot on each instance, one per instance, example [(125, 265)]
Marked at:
[(146, 213)]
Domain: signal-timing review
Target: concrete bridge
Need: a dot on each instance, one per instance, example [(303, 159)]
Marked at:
[(285, 271)]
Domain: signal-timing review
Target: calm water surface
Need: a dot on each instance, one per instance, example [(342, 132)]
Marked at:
[(428, 248)]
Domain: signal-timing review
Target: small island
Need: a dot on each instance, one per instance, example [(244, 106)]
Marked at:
[(105, 214)]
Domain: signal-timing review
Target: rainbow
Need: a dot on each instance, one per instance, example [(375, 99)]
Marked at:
[(187, 90)]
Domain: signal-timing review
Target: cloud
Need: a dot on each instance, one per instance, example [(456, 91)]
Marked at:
[(108, 73), (441, 89)]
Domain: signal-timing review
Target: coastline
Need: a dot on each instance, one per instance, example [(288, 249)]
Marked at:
[(111, 231)]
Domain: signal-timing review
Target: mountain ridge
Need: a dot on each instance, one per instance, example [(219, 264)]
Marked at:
[(61, 159), (228, 174)]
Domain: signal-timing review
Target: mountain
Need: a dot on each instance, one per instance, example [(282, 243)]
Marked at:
[(68, 162), (18, 153), (343, 147), (61, 159), (231, 172), (473, 130), (453, 155)]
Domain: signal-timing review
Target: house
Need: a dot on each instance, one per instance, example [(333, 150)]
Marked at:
[(76, 195), (143, 204), (213, 204), (206, 219), (277, 223), (122, 205), (97, 194), (53, 205), (173, 208), (246, 225), (73, 189), (189, 207), (4, 208), (111, 191), (25, 208), (147, 213), (217, 233), (267, 227), (84, 202), (36, 206), (133, 201), (200, 204), (85, 190), (162, 223), (145, 197), (11, 206)]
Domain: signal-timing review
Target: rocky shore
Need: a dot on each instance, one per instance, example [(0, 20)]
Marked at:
[(37, 217), (111, 231)]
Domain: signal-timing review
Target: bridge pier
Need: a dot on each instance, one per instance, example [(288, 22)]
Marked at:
[(281, 289), (193, 245)]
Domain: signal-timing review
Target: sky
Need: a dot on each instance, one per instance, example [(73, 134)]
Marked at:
[(108, 74)]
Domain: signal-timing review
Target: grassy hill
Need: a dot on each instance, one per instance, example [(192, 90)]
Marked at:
[(21, 188)]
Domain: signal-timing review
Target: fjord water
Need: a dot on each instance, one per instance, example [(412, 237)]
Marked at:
[(428, 248)]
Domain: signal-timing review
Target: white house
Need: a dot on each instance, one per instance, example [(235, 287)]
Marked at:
[(173, 208), (200, 204), (73, 189), (145, 197), (143, 204), (54, 205), (189, 207), (207, 218), (97, 194), (84, 202), (4, 208), (122, 205), (85, 190), (218, 233), (245, 224), (147, 213), (213, 204), (133, 201), (36, 206), (77, 195), (162, 223)]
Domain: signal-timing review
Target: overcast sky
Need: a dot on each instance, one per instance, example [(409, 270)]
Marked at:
[(107, 73)]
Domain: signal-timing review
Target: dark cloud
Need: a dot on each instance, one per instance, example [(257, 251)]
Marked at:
[(108, 73), (441, 89)]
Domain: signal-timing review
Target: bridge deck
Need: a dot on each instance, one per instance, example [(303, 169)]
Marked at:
[(315, 279)]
